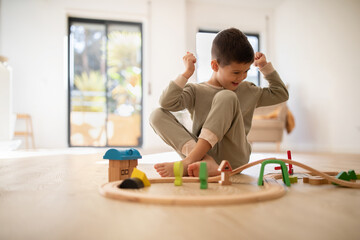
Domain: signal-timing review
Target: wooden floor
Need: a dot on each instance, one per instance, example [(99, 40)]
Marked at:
[(57, 197)]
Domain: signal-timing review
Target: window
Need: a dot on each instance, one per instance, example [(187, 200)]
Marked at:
[(105, 83), (204, 41)]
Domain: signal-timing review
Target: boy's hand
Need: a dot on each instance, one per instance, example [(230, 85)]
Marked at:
[(189, 62), (260, 60)]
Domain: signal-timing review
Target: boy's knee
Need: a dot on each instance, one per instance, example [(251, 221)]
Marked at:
[(226, 96), (156, 116), (159, 117)]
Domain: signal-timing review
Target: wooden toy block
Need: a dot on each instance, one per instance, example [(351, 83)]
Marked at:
[(127, 154), (113, 175), (178, 173), (224, 166), (203, 176), (316, 180), (305, 179), (293, 179), (123, 160), (141, 175), (115, 163), (225, 169), (225, 178), (124, 164), (131, 169), (116, 174), (133, 163), (352, 175), (132, 183), (357, 176)]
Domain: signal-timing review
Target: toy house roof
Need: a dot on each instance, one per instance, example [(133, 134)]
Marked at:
[(127, 154), (225, 166)]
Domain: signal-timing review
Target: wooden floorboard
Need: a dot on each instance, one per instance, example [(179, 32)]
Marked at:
[(56, 197)]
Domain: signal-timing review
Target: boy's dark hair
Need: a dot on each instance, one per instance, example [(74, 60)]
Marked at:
[(231, 45)]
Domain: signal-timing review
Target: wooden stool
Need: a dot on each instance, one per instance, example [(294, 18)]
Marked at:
[(28, 133)]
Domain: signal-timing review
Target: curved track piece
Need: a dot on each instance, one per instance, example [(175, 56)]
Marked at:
[(310, 169), (242, 168), (271, 189)]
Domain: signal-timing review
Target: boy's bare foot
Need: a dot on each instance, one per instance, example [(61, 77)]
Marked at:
[(212, 166), (194, 153), (167, 169)]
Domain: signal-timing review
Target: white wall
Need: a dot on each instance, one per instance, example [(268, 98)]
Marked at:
[(1, 20), (249, 18), (33, 37), (313, 45), (317, 51), (5, 103), (167, 46)]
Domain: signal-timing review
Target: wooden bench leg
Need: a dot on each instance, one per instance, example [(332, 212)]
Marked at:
[(278, 146)]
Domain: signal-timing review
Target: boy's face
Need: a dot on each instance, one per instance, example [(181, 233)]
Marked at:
[(230, 76)]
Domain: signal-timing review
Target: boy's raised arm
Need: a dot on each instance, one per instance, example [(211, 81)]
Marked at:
[(189, 62), (176, 96), (276, 92)]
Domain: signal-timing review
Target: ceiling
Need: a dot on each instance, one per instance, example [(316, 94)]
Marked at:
[(244, 3)]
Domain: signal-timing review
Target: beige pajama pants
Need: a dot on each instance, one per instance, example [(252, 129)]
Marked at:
[(224, 120)]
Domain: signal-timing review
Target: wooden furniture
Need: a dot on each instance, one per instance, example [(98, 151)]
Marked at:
[(268, 124), (57, 197), (28, 134)]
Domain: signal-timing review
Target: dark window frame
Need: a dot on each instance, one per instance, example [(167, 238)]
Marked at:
[(106, 23)]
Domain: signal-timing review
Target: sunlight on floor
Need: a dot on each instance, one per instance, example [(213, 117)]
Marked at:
[(147, 159), (49, 152)]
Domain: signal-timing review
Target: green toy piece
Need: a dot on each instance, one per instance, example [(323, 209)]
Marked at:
[(203, 176), (284, 171), (342, 176), (293, 179), (357, 176), (178, 173), (352, 175)]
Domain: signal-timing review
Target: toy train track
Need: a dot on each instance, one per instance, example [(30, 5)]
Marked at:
[(271, 189)]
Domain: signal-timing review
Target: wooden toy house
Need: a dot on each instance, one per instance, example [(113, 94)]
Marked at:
[(225, 169), (121, 163)]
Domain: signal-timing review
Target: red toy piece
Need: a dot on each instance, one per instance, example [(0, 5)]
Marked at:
[(291, 170)]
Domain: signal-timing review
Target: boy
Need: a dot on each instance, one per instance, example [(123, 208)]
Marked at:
[(221, 109)]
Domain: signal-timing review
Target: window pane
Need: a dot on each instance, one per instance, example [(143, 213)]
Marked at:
[(203, 52), (105, 83), (253, 73), (124, 85), (87, 84)]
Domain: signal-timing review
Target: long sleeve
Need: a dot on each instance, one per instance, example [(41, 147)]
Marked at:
[(276, 92), (175, 98)]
